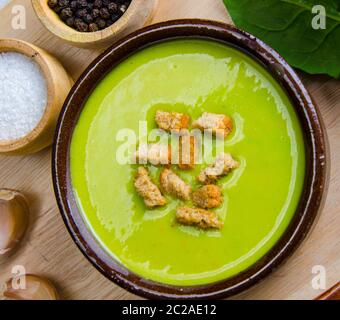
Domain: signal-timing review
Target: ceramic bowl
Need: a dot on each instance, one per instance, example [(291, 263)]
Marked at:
[(315, 184), (136, 16)]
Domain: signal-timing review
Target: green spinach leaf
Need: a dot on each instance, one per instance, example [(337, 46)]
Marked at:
[(286, 25)]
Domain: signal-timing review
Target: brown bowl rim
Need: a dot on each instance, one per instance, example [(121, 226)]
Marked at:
[(316, 179)]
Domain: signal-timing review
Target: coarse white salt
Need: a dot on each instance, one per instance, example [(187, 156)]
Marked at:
[(3, 3), (23, 95)]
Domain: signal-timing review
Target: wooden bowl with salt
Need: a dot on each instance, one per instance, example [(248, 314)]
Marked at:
[(58, 84), (138, 14)]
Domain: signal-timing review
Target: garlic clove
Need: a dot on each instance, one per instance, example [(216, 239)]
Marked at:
[(30, 287), (14, 215)]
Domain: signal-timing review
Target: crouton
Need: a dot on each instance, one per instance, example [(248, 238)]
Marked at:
[(187, 152), (198, 217), (155, 154), (207, 197), (148, 190), (223, 164), (172, 184), (169, 121), (217, 124)]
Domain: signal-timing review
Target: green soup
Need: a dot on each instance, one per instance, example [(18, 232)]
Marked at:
[(260, 197)]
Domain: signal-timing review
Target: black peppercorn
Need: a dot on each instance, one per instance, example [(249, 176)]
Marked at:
[(100, 23), (66, 13), (104, 13), (98, 3), (95, 13), (58, 9), (82, 3), (63, 3), (106, 2), (77, 20), (81, 13), (70, 21), (88, 18), (52, 3), (93, 27), (123, 8), (113, 7), (81, 26), (74, 5)]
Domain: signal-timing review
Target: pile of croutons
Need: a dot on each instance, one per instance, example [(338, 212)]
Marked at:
[(209, 195)]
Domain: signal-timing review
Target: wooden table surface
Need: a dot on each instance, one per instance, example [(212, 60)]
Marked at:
[(48, 249)]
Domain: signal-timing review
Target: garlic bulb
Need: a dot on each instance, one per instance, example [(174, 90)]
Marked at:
[(13, 219), (30, 287)]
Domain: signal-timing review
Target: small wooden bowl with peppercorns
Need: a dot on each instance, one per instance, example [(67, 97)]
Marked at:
[(91, 23)]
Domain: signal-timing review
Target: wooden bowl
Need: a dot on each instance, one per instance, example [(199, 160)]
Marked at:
[(135, 17), (316, 178), (58, 86)]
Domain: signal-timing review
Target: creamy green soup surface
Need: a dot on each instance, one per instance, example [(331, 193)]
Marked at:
[(189, 76)]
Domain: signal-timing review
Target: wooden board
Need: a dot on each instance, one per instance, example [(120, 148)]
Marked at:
[(48, 249)]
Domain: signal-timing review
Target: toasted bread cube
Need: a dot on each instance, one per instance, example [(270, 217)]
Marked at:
[(198, 217), (223, 164), (172, 184), (155, 154), (187, 150), (217, 124), (207, 197), (148, 190), (169, 121)]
